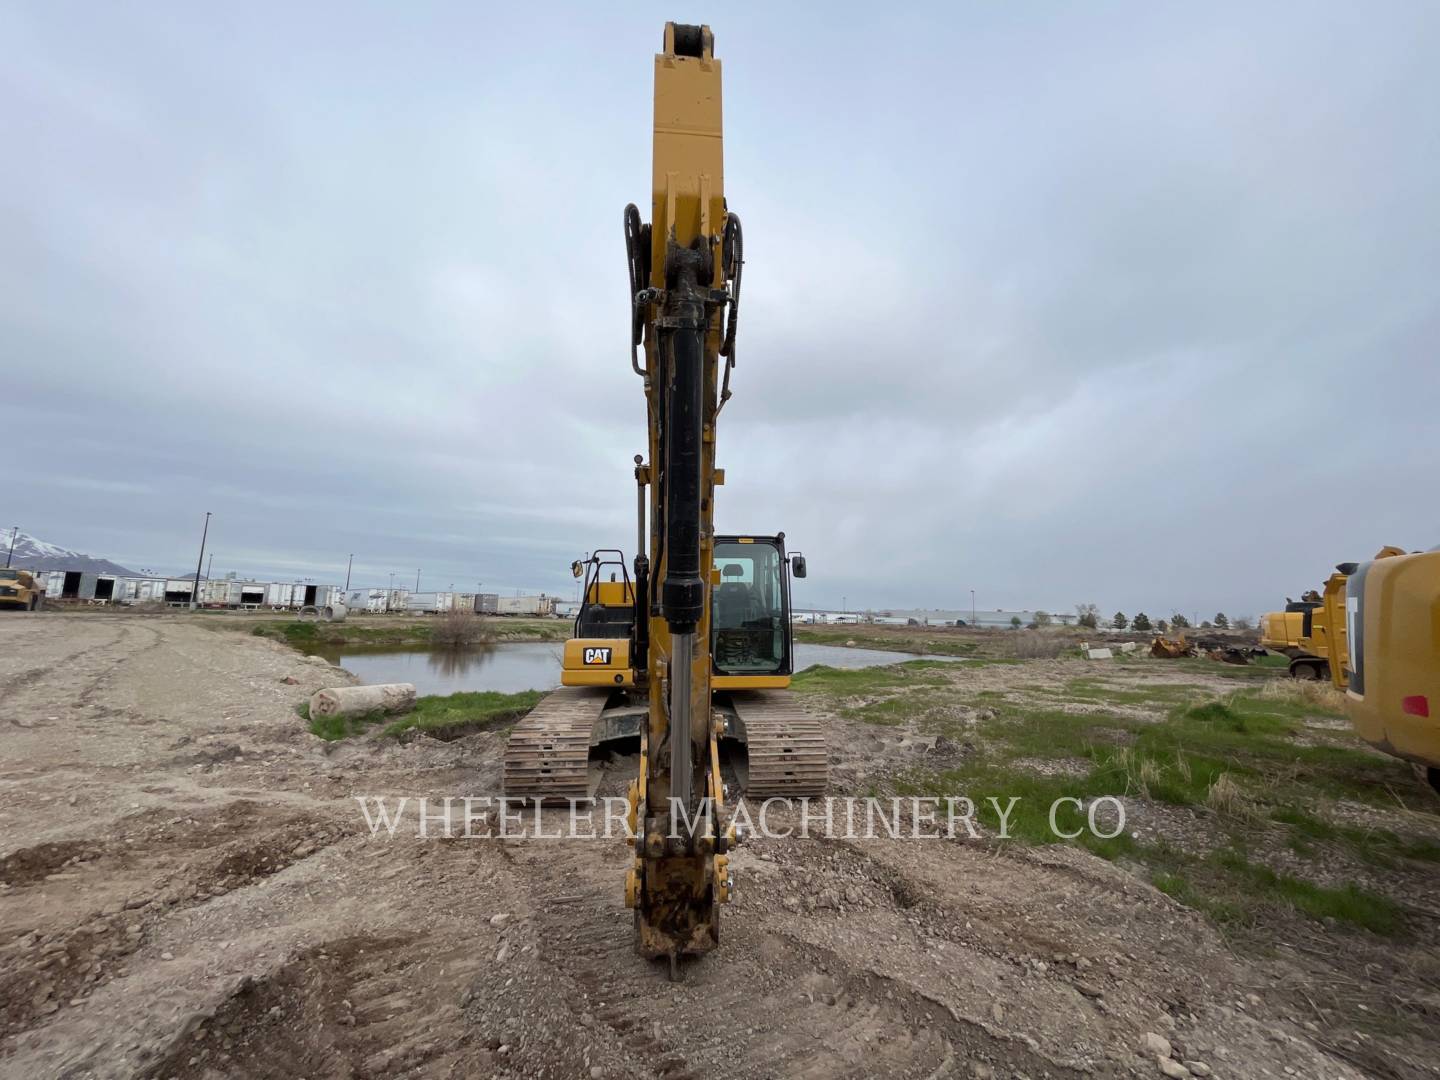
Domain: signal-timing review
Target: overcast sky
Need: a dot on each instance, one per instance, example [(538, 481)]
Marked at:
[(1127, 303)]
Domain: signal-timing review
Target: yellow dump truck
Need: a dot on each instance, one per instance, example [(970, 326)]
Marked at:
[(20, 590)]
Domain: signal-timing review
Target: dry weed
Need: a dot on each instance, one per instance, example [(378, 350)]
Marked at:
[(1038, 645), (1305, 691), (1227, 799), (458, 628)]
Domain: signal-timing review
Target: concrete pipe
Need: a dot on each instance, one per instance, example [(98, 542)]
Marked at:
[(360, 700)]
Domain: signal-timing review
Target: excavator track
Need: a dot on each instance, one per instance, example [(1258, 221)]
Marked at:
[(786, 745), (547, 756)]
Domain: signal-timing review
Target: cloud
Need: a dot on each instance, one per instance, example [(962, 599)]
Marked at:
[(1133, 306)]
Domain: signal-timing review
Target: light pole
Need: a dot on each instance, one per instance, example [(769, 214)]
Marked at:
[(195, 594), (417, 580), (209, 565), (13, 534), (843, 608), (972, 607)]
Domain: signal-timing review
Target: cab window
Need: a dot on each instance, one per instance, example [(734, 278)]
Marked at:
[(747, 617)]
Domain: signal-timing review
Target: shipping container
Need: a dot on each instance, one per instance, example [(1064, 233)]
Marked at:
[(179, 590), (429, 603), (525, 605), (486, 603), (372, 600), (248, 594), (215, 593)]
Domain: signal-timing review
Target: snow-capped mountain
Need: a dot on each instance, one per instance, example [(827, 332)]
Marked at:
[(32, 553)]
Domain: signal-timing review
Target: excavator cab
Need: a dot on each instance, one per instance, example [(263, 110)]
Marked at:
[(598, 653), (751, 643)]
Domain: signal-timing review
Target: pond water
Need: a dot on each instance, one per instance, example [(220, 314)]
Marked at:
[(532, 665)]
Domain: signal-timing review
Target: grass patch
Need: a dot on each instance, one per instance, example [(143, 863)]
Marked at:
[(849, 682), (896, 692), (1271, 660), (1101, 691), (1240, 761), (914, 642), (453, 715), (446, 716), (1348, 904), (334, 728), (1380, 846)]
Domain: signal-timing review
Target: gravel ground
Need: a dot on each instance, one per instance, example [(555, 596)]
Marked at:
[(188, 889)]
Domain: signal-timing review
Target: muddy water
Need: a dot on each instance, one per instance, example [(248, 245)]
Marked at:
[(531, 665)]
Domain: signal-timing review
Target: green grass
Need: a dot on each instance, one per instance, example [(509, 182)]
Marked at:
[(333, 728), (1176, 758), (1272, 660), (906, 689), (443, 715), (1258, 669), (1380, 846), (1101, 691), (1349, 903), (450, 714), (914, 642)]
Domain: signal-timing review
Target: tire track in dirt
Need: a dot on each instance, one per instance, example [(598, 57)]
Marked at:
[(38, 682), (361, 1006), (54, 961), (86, 696), (766, 1004)]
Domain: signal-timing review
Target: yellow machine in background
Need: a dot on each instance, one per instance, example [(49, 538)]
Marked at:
[(19, 589), (1311, 631), (695, 647), (1392, 651), (1299, 632)]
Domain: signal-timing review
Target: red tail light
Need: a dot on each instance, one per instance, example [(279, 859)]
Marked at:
[(1415, 705)]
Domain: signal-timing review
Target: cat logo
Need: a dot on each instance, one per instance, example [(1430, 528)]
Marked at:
[(597, 655)]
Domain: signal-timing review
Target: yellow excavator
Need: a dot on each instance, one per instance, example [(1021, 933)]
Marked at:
[(1385, 616), (1300, 633), (1311, 631), (694, 648)]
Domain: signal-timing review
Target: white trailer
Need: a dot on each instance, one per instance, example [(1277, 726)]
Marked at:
[(429, 603), (371, 600), (525, 605)]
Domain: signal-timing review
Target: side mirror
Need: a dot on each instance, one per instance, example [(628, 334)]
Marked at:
[(797, 565), (577, 568)]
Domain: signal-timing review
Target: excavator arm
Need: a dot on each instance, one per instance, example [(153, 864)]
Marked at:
[(684, 275)]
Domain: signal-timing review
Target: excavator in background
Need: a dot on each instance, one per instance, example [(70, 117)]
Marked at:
[(1311, 630), (1293, 633), (694, 647)]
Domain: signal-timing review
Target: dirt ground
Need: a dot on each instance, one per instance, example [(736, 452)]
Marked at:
[(188, 889)]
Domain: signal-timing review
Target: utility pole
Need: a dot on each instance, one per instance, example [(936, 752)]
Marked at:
[(843, 607), (13, 534), (205, 532), (392, 581), (417, 580), (347, 571), (972, 607)]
